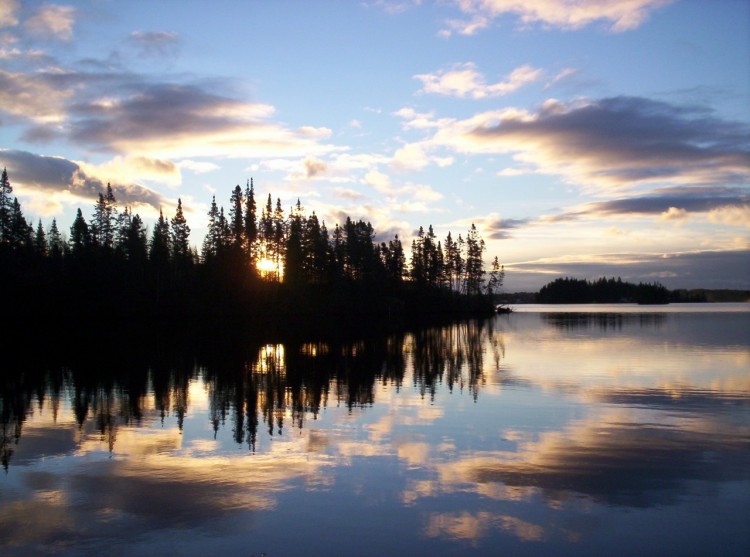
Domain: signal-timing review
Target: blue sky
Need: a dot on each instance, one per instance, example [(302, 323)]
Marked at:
[(584, 138)]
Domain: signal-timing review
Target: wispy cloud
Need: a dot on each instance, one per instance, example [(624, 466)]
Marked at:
[(501, 228), (174, 121), (52, 21), (464, 81), (615, 142), (695, 269), (9, 12), (51, 182), (155, 44), (32, 97), (615, 15), (670, 203), (394, 7)]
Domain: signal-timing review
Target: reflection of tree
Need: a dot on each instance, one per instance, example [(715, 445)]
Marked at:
[(604, 321), (248, 383), (453, 354)]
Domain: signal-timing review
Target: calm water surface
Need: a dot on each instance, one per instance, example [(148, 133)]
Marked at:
[(598, 430)]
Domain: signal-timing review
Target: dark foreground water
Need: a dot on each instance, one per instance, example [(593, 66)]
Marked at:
[(617, 432)]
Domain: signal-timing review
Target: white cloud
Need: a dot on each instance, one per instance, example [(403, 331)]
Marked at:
[(198, 167), (410, 157), (53, 21), (617, 15), (732, 216), (137, 169), (381, 182), (674, 214), (9, 12), (464, 81)]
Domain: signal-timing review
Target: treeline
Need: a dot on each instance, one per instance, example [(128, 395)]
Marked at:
[(603, 291), (255, 262)]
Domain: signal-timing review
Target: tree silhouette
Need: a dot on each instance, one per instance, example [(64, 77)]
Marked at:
[(180, 237), (103, 224), (6, 207), (306, 271), (80, 238)]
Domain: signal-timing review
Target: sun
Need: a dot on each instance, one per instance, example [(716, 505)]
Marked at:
[(269, 268)]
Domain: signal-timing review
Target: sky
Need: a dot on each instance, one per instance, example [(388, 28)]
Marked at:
[(584, 138)]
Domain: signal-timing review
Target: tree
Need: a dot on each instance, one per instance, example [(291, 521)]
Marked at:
[(250, 227), (80, 237), (135, 243), (474, 264), (6, 207), (123, 221), (293, 253), (394, 261), (212, 241), (497, 275), (160, 242), (55, 241), (103, 223), (314, 250), (40, 240), (21, 232), (279, 230), (236, 217), (180, 236)]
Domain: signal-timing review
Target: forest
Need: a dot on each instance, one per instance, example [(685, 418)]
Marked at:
[(256, 262), (603, 291)]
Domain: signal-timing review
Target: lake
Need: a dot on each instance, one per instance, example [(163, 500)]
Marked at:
[(555, 430)]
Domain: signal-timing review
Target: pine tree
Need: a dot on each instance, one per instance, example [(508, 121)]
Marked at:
[(55, 241), (497, 275), (160, 242), (122, 226), (236, 218), (40, 240), (394, 261), (293, 252), (135, 240), (180, 236), (6, 207), (315, 250), (279, 235), (104, 220), (418, 273), (80, 237), (474, 264), (21, 232), (213, 236), (250, 226)]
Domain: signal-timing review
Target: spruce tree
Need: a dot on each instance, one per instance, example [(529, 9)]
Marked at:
[(135, 240), (180, 236), (80, 238), (160, 241), (40, 240), (474, 264), (21, 232), (250, 226), (236, 218), (6, 207), (213, 235), (55, 241), (103, 224)]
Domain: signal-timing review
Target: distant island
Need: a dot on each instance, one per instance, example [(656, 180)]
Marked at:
[(614, 290), (263, 264)]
